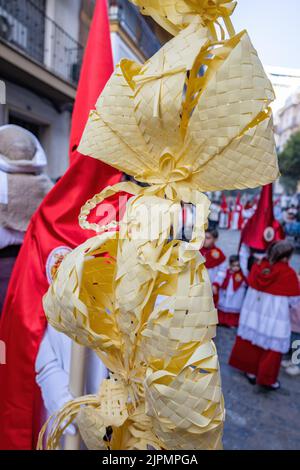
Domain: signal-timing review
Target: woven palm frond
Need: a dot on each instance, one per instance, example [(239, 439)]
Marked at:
[(195, 117)]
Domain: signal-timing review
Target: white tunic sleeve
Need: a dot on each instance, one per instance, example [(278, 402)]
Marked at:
[(231, 301), (265, 321), (53, 369), (221, 273), (51, 376), (244, 258)]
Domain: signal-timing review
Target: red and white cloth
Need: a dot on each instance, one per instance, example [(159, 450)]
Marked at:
[(231, 297), (265, 321), (237, 215), (224, 221), (265, 316), (265, 329), (248, 212), (262, 228), (264, 364), (215, 262)]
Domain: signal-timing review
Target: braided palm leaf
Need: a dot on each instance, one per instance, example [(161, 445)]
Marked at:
[(195, 117)]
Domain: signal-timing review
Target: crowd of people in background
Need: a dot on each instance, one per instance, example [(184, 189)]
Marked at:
[(263, 303), (233, 212), (256, 290)]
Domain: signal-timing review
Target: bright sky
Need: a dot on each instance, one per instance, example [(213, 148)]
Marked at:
[(274, 27)]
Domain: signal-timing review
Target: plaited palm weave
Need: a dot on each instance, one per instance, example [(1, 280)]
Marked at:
[(195, 117)]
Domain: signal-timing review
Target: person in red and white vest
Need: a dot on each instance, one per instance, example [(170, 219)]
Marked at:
[(215, 261), (224, 214), (264, 331), (237, 215), (260, 231), (232, 294)]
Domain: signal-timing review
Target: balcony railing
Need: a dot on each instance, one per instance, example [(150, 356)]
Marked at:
[(25, 26), (133, 23)]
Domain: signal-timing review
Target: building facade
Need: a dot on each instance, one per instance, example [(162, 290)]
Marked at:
[(41, 50), (285, 82), (288, 120), (286, 108)]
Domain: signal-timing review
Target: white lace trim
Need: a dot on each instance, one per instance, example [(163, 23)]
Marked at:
[(266, 342)]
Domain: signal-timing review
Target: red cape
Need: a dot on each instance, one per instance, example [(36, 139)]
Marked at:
[(213, 257), (276, 279), (224, 205), (253, 234), (237, 277)]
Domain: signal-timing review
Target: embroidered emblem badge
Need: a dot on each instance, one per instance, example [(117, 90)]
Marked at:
[(54, 260)]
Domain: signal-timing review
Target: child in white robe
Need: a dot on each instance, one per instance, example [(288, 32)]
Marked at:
[(53, 372), (215, 261), (232, 293)]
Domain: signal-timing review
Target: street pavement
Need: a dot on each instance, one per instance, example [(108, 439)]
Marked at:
[(256, 419)]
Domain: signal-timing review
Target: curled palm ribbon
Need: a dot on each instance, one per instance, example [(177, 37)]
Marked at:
[(175, 15), (194, 118)]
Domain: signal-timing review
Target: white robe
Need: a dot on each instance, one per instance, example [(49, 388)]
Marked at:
[(53, 368), (224, 220), (218, 274), (244, 254), (235, 220), (231, 301), (265, 321), (247, 214)]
